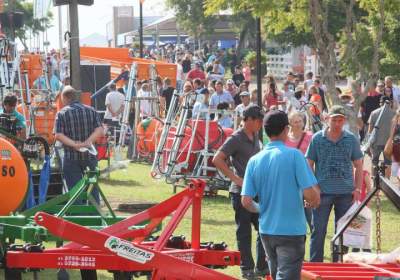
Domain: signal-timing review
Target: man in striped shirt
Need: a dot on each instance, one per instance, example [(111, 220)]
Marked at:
[(77, 127)]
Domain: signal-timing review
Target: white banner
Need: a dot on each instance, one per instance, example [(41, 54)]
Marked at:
[(41, 8)]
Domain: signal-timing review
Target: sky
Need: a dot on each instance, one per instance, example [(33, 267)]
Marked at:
[(93, 19)]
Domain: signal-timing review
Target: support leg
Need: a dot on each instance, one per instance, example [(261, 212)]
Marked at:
[(88, 274)]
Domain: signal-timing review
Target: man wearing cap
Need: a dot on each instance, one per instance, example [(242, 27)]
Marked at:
[(77, 126), (297, 100), (281, 179), (196, 73), (353, 121), (245, 98), (233, 90), (240, 147), (382, 133), (332, 154)]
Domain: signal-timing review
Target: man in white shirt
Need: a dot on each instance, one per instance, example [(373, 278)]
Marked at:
[(64, 67), (180, 76), (114, 106), (145, 106), (201, 104), (220, 96), (308, 83), (395, 91), (286, 96)]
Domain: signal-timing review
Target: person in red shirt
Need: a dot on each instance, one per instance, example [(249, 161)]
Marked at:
[(272, 97), (196, 73)]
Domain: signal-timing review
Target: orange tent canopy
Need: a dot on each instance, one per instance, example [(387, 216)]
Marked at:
[(120, 61)]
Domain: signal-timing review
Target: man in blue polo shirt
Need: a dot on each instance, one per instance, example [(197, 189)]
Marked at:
[(281, 178), (333, 153)]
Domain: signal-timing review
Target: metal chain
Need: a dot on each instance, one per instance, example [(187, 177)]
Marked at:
[(378, 222)]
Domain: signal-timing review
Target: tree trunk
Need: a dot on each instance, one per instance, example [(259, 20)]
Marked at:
[(325, 46), (242, 39)]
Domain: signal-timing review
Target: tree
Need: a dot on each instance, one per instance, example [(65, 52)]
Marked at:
[(31, 25), (354, 27), (244, 23), (190, 15)]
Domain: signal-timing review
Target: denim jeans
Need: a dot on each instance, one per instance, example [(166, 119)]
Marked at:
[(74, 170), (244, 220), (285, 255), (320, 218)]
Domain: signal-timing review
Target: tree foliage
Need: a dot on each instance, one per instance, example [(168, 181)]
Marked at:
[(191, 16), (366, 32), (31, 25)]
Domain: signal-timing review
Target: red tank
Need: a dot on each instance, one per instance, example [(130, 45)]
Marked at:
[(217, 137)]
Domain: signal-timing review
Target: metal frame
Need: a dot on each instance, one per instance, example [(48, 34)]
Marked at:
[(380, 184), (19, 226), (89, 251), (348, 271), (168, 167)]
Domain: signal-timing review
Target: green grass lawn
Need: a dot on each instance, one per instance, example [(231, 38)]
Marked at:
[(135, 184)]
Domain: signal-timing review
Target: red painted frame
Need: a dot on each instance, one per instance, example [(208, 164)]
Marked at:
[(87, 249)]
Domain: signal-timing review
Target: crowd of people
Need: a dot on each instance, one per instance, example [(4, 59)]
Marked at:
[(298, 178), (304, 172)]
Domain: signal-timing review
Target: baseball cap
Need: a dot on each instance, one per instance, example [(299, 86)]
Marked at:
[(346, 93), (254, 112), (299, 88), (244, 93), (276, 119), (229, 82), (204, 91), (337, 110), (380, 83), (198, 63)]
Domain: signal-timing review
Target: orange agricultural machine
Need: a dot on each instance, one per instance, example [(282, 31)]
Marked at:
[(33, 65)]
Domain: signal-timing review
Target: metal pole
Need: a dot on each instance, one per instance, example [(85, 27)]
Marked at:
[(74, 45), (141, 28), (60, 29), (258, 67)]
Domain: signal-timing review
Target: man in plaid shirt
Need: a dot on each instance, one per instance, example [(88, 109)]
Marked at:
[(77, 126)]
